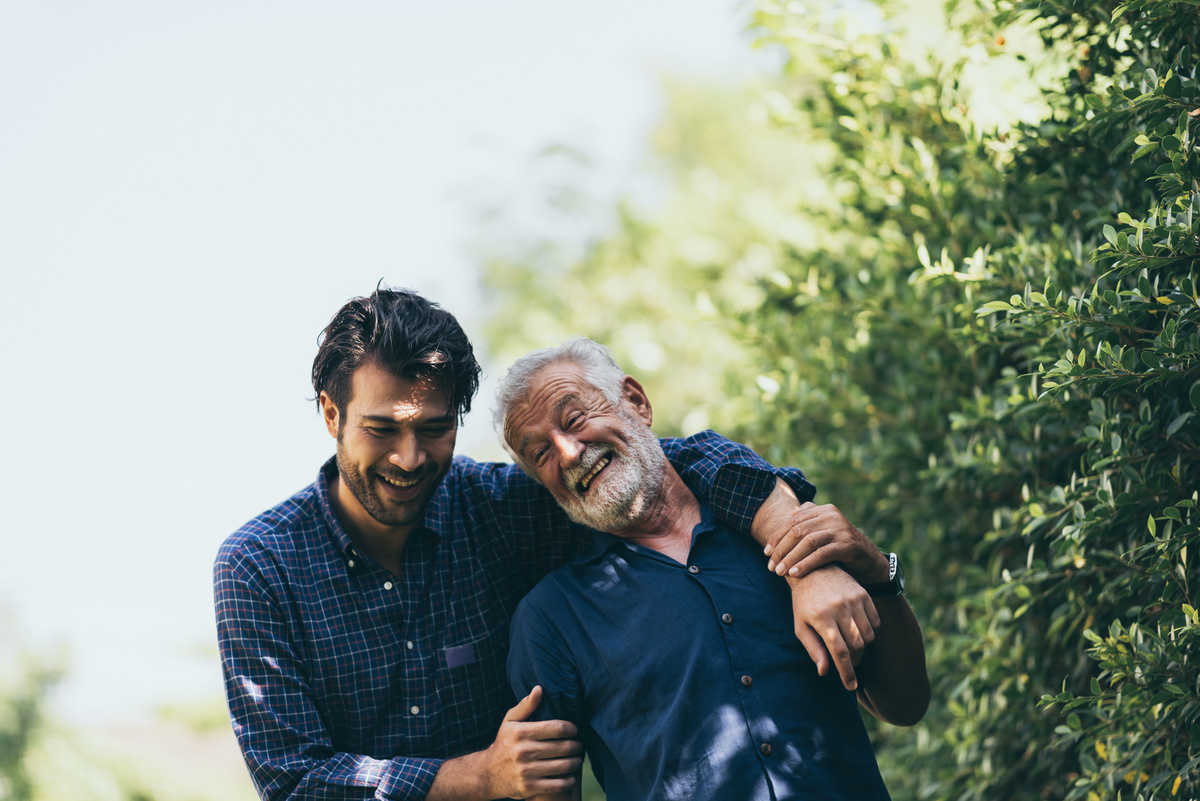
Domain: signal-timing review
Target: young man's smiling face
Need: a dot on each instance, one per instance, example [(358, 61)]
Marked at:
[(395, 442), (601, 462)]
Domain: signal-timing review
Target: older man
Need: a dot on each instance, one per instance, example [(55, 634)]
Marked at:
[(664, 642)]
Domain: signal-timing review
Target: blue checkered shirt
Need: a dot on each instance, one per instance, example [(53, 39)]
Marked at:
[(344, 682)]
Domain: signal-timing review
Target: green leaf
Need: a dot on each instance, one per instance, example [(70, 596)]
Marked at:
[(1110, 233), (1144, 150), (1177, 424)]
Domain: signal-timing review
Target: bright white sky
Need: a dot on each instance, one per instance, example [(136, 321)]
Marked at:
[(188, 191)]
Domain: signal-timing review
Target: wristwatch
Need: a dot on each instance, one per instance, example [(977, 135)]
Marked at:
[(895, 583)]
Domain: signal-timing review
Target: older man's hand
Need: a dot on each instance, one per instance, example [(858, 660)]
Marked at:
[(821, 535), (835, 620)]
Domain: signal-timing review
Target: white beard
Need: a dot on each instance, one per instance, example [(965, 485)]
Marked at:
[(629, 486)]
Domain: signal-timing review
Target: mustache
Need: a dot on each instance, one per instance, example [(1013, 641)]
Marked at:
[(404, 475), (591, 455)]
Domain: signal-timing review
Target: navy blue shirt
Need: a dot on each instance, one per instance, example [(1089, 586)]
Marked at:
[(344, 682), (687, 681)]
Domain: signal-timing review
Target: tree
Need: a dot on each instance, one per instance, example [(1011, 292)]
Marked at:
[(976, 332)]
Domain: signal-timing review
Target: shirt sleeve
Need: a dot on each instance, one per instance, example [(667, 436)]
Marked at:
[(731, 477), (534, 536), (538, 656), (286, 745)]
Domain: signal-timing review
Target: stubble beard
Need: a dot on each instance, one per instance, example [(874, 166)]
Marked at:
[(632, 484), (361, 487)]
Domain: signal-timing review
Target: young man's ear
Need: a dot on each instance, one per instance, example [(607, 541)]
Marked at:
[(329, 413), (635, 396)]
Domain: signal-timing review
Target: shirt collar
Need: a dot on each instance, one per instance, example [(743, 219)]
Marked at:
[(602, 541), (324, 475)]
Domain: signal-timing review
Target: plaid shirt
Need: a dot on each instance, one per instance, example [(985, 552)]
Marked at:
[(345, 682)]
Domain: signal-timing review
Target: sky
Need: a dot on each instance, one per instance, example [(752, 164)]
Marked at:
[(188, 191)]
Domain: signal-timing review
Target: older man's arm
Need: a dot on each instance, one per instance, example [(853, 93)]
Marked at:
[(826, 560), (835, 619), (893, 681)]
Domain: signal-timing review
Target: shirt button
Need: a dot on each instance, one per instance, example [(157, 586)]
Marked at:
[(693, 569), (387, 585), (726, 618), (408, 645), (765, 748), (747, 681), (416, 710)]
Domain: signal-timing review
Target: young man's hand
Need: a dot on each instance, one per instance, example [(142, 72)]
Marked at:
[(527, 758)]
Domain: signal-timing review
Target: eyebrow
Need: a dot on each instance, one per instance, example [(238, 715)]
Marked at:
[(558, 407), (383, 418)]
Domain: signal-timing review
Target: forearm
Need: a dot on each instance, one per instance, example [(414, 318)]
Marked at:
[(895, 685), (464, 778), (731, 477)]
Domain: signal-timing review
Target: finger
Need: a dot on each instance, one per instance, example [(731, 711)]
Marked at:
[(839, 652), (873, 614), (551, 731), (815, 646), (543, 768), (854, 638), (548, 785), (792, 546), (821, 551), (526, 706), (804, 557), (802, 514)]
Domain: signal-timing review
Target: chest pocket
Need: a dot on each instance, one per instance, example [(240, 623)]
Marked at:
[(473, 691)]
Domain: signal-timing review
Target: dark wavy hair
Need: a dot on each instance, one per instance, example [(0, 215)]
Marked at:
[(403, 333)]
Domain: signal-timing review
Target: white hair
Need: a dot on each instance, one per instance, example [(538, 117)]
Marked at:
[(599, 369)]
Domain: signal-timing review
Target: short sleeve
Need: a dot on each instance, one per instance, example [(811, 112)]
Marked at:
[(538, 657)]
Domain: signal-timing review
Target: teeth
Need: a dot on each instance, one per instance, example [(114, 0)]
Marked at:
[(401, 484), (587, 480)]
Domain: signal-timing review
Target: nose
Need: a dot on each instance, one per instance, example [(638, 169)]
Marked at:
[(568, 448), (407, 453)]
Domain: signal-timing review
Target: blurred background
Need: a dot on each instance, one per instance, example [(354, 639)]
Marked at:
[(940, 255), (187, 194)]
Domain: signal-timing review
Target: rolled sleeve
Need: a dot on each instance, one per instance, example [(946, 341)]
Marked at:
[(735, 480)]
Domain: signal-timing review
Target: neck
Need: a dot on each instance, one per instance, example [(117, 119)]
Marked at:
[(667, 525), (383, 544)]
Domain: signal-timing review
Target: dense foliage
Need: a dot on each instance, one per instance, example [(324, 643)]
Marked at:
[(973, 322)]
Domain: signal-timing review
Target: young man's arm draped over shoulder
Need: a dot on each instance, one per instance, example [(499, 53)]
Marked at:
[(288, 745)]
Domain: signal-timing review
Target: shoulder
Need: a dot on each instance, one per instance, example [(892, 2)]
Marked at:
[(282, 529), (492, 483), (557, 592)]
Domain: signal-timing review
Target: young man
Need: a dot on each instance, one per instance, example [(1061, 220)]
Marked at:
[(666, 647), (363, 623)]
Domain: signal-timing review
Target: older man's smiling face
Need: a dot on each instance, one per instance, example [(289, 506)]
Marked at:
[(601, 462)]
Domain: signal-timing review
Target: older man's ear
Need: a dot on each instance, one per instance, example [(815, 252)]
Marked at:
[(636, 397)]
